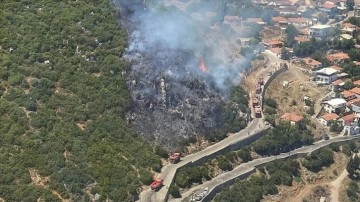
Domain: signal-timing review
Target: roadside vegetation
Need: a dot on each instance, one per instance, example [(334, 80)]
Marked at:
[(62, 104)]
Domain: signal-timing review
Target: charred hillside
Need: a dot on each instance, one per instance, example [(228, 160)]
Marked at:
[(179, 87)]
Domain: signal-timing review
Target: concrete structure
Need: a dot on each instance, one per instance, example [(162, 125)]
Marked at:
[(347, 95), (348, 119), (356, 91), (312, 64), (337, 58), (336, 105), (327, 118), (319, 30), (326, 75)]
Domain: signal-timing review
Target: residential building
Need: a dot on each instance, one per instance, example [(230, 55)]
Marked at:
[(339, 69), (356, 91), (300, 40), (329, 8), (337, 58), (355, 107), (294, 119), (336, 105), (326, 75), (337, 85), (349, 103), (312, 64), (348, 28), (280, 21), (347, 120), (232, 20), (319, 30), (298, 22), (326, 119), (258, 21), (347, 95), (276, 51)]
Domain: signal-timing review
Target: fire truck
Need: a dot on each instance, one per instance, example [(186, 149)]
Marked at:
[(174, 157), (156, 184)]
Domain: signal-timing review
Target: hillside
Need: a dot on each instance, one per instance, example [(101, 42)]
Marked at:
[(62, 105)]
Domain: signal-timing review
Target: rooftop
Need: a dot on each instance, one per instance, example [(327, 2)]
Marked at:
[(337, 82), (337, 56), (279, 19), (276, 50), (353, 102), (347, 94), (319, 26), (335, 101), (348, 118), (355, 90), (327, 71), (336, 67), (291, 117), (297, 20), (330, 117)]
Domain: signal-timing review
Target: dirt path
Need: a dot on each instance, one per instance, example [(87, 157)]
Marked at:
[(335, 186)]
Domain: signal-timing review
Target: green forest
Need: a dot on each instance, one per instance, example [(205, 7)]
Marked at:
[(62, 104)]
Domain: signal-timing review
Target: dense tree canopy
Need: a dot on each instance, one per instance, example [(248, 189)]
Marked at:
[(62, 104)]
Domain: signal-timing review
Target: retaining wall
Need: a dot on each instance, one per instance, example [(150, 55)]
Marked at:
[(212, 192), (269, 80)]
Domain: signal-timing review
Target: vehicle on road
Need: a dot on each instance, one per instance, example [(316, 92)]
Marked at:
[(156, 184), (326, 137), (174, 157)]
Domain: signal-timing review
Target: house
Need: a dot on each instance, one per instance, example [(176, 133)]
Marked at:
[(348, 28), (298, 22), (300, 40), (349, 103), (312, 64), (336, 105), (327, 118), (337, 58), (319, 30), (326, 75), (294, 119), (356, 91), (337, 85), (280, 21), (347, 95), (329, 8), (355, 107), (347, 120), (346, 36)]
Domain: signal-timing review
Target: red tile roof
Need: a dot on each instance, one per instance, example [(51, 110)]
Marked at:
[(337, 82), (337, 56), (355, 90), (301, 39), (292, 117), (328, 5), (297, 20), (348, 118), (279, 19), (347, 94), (352, 101), (330, 117)]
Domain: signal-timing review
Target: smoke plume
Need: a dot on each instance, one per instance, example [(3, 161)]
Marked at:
[(197, 30)]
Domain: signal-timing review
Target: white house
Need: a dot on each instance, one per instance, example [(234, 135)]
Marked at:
[(326, 75), (336, 105), (319, 30), (355, 107)]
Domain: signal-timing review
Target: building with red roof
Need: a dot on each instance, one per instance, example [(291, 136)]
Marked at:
[(294, 119), (347, 120), (327, 118)]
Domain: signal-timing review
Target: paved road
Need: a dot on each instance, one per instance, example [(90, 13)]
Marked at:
[(168, 172), (249, 166)]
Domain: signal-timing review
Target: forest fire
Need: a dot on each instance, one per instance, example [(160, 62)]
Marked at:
[(202, 65)]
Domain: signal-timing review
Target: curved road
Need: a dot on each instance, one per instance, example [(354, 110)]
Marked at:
[(250, 166), (168, 172)]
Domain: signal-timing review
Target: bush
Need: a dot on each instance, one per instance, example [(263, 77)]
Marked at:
[(270, 102), (319, 159), (174, 191), (224, 164)]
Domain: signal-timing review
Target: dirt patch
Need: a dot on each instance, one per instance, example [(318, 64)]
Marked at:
[(289, 90)]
